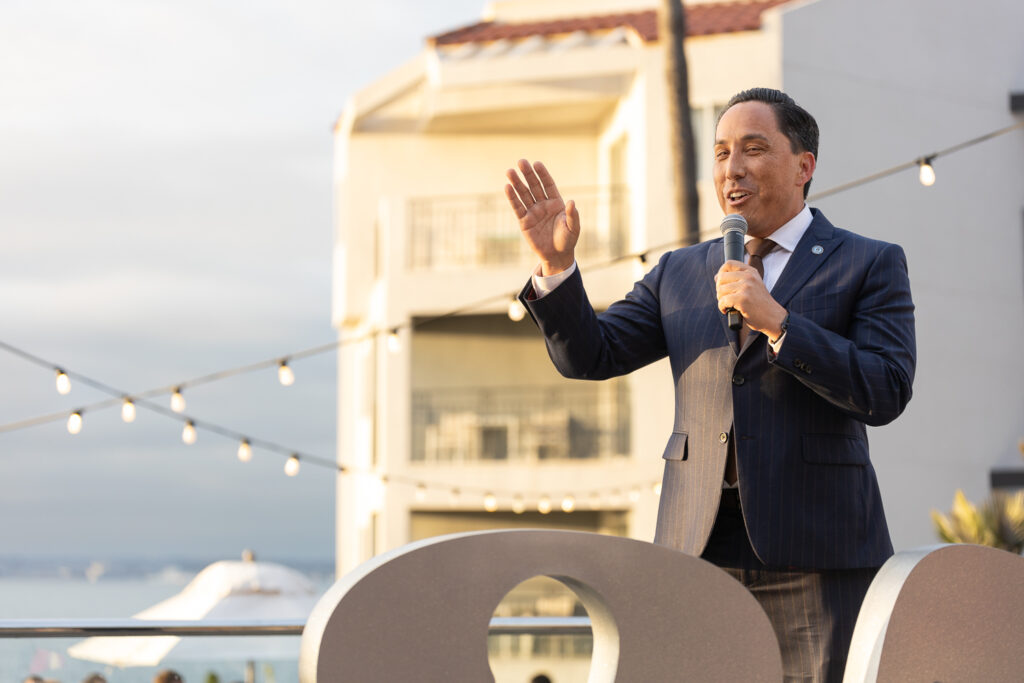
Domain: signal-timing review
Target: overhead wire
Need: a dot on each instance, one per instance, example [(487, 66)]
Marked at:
[(142, 398)]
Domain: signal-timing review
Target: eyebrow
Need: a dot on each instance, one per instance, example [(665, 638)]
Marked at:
[(746, 138)]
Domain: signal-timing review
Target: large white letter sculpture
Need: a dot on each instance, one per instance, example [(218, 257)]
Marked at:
[(421, 613), (946, 613)]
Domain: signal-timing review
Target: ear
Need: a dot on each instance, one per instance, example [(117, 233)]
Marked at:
[(806, 170)]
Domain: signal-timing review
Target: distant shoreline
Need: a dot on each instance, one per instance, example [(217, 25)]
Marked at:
[(98, 567)]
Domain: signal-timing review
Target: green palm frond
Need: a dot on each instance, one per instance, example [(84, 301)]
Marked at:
[(998, 523)]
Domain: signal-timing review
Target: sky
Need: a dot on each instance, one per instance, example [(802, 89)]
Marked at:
[(166, 212)]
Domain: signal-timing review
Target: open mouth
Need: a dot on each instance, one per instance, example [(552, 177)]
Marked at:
[(737, 197)]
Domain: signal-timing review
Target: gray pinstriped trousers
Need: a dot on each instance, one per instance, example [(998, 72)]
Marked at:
[(813, 612)]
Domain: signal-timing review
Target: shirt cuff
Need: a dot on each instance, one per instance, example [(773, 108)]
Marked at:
[(542, 286), (776, 345)]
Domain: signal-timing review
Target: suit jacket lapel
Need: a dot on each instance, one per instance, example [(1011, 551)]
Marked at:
[(715, 259), (814, 248)]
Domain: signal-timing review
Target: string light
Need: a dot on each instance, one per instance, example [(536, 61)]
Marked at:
[(177, 401), (291, 466), (63, 382), (518, 505), (189, 434), (128, 410), (394, 343), (453, 497), (245, 451), (75, 422), (516, 310), (595, 499), (656, 488), (285, 374), (634, 495), (926, 174)]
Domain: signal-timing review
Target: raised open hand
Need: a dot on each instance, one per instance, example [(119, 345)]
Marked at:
[(550, 226)]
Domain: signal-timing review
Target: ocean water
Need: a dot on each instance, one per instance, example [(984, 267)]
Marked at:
[(66, 593)]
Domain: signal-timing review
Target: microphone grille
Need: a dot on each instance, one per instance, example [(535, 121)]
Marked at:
[(734, 223)]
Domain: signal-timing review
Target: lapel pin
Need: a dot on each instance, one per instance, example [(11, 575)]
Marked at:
[(817, 249)]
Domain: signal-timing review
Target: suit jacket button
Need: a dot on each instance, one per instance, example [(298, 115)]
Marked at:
[(738, 380), (723, 437)]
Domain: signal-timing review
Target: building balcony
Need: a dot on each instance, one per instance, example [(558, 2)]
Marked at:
[(480, 230), (522, 425)]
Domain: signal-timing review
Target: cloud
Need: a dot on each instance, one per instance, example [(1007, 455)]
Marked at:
[(165, 204)]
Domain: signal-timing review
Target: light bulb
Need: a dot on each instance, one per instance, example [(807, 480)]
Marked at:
[(394, 343), (634, 495), (544, 505), (516, 310), (128, 410), (490, 502), (518, 506), (188, 434), (177, 401), (245, 451), (656, 489), (568, 504), (421, 493), (285, 374), (291, 467), (926, 174), (63, 382), (75, 422)]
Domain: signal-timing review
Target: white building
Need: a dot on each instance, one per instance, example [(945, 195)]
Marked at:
[(470, 401)]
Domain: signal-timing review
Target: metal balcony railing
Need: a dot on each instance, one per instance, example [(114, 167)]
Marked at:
[(510, 638), (472, 231), (83, 628), (578, 421)]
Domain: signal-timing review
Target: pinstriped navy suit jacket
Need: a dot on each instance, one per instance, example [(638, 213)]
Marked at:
[(808, 490)]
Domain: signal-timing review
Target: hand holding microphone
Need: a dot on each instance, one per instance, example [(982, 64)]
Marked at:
[(734, 227)]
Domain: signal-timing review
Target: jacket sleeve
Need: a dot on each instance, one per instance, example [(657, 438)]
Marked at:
[(585, 345), (867, 372)]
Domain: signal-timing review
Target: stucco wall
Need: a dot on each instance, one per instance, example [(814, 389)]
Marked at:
[(889, 82)]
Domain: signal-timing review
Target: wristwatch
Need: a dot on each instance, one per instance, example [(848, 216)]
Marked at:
[(784, 326)]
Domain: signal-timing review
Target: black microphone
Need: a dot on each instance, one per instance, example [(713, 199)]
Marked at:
[(734, 227)]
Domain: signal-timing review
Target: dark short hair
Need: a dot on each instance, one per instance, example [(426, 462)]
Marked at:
[(794, 121)]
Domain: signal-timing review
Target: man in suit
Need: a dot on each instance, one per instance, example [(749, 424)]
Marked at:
[(767, 471)]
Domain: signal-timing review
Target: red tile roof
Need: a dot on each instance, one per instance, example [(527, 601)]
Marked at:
[(701, 20)]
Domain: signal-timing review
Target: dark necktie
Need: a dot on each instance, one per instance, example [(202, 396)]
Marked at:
[(758, 249)]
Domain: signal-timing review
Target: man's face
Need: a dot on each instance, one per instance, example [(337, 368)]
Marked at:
[(757, 174)]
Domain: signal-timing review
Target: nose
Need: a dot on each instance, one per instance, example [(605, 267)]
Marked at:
[(734, 166)]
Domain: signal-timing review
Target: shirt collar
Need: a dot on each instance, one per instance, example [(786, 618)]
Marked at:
[(788, 236)]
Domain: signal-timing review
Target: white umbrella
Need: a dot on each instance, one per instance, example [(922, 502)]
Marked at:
[(224, 590)]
